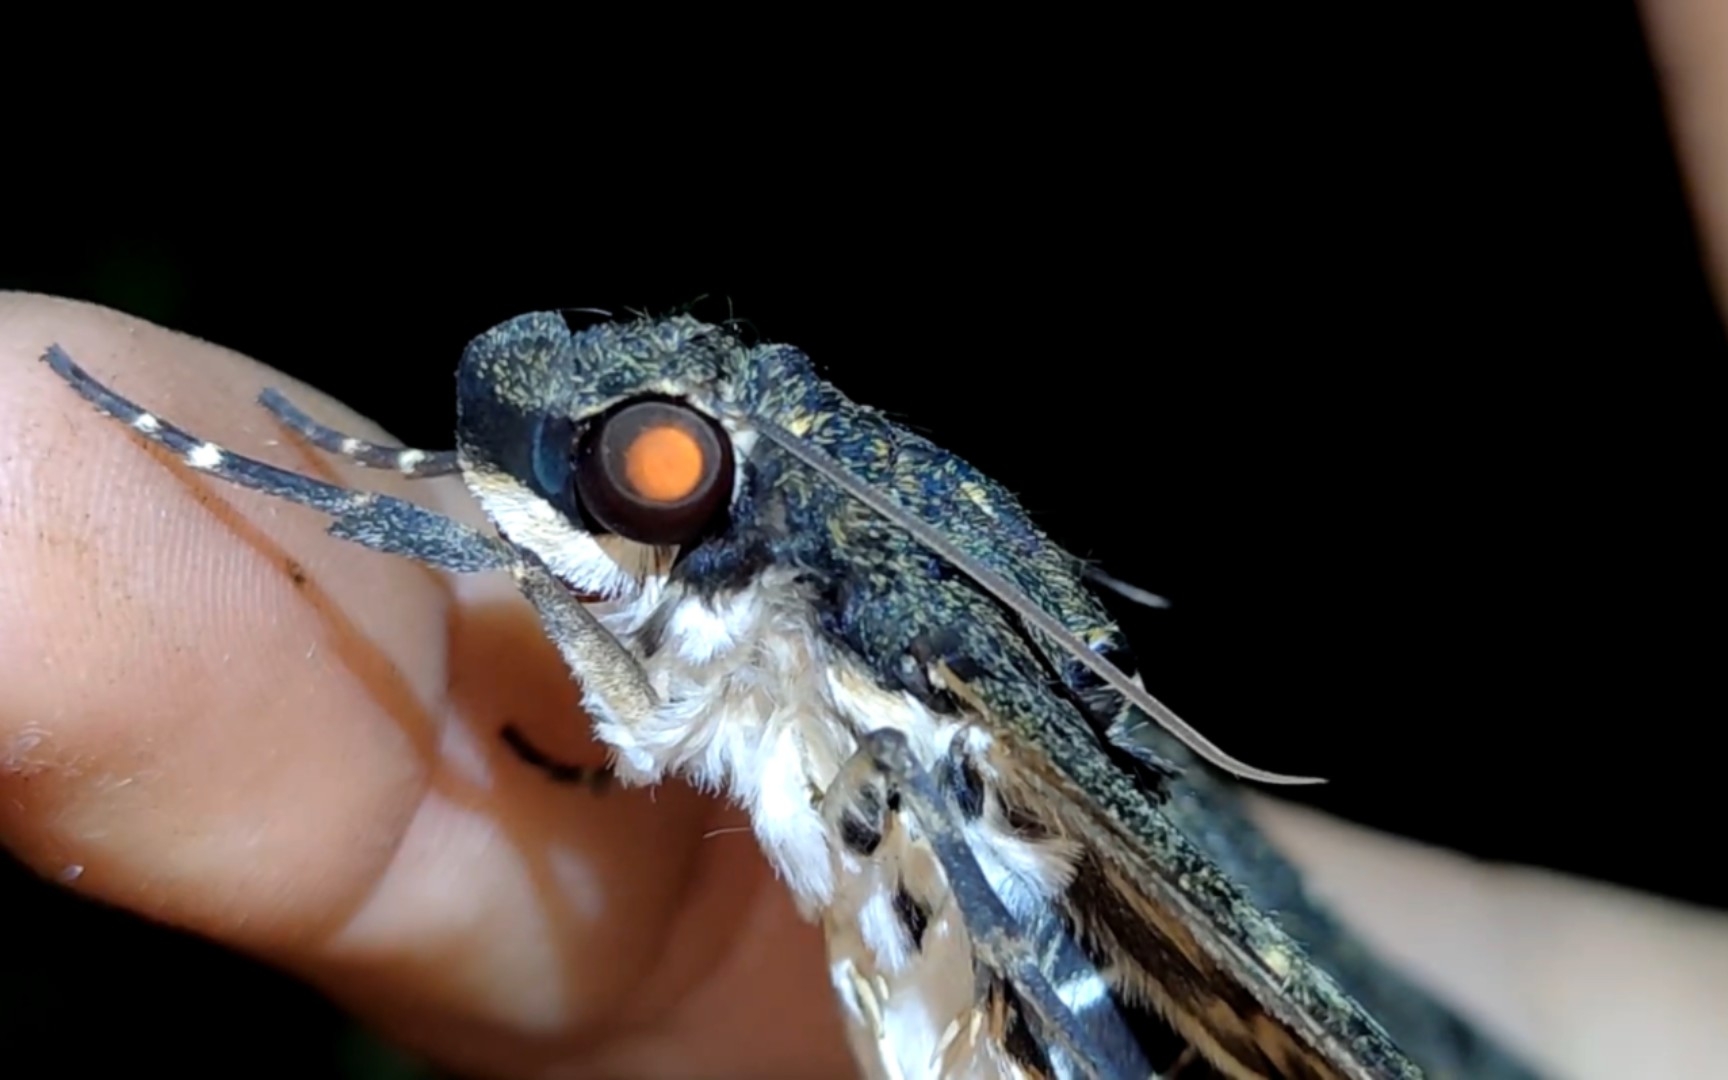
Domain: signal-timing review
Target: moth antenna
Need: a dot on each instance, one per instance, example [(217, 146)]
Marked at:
[(414, 464), (1143, 597), (1016, 601), (380, 522)]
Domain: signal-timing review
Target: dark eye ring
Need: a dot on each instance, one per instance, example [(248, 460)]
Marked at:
[(657, 472)]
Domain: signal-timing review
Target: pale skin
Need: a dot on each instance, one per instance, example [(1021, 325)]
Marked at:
[(219, 717)]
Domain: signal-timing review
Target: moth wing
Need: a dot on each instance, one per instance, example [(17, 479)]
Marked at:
[(1184, 947), (906, 979)]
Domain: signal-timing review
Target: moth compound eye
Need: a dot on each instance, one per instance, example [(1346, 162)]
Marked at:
[(656, 472), (664, 464)]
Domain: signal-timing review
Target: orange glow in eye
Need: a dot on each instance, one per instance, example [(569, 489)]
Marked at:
[(664, 464)]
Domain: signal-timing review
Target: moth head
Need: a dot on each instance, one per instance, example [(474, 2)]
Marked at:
[(601, 450)]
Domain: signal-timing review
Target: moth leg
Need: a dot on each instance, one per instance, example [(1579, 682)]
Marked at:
[(414, 464), (613, 683), (559, 772), (380, 522), (1031, 965)]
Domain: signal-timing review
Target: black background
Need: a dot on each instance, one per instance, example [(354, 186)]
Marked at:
[(1381, 352)]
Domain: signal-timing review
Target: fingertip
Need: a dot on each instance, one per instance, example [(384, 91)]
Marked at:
[(203, 688)]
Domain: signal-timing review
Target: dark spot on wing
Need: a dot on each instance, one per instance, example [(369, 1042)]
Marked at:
[(296, 574), (913, 678), (964, 668), (862, 822), (1018, 1040), (1193, 988), (914, 914), (1026, 825), (1159, 1041), (960, 776), (945, 646), (859, 836)]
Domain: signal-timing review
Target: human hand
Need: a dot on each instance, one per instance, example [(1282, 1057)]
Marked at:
[(231, 723)]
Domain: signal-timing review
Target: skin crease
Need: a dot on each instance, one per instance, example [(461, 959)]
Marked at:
[(233, 724)]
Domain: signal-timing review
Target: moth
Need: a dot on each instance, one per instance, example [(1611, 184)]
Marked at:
[(1024, 864)]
